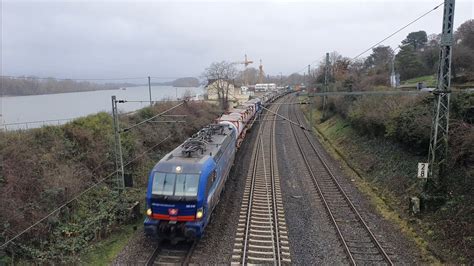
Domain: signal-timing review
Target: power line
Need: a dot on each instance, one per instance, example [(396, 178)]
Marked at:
[(148, 119), (397, 31), (79, 195), (384, 39)]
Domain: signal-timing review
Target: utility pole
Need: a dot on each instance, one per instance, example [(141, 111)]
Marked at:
[(149, 88), (309, 77), (326, 82), (281, 80), (393, 80), (118, 146), (435, 185)]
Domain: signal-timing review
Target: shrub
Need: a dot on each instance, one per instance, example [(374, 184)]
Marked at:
[(47, 166)]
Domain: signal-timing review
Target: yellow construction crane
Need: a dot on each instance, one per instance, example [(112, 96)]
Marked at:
[(246, 62)]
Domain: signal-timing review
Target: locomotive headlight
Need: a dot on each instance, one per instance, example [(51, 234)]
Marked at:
[(178, 169), (200, 213), (149, 212)]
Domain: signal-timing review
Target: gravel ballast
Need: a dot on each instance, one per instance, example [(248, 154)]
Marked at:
[(312, 238)]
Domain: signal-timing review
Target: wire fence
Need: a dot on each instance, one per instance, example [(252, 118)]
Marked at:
[(33, 124)]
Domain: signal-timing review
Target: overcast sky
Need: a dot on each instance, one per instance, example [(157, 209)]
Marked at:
[(111, 39)]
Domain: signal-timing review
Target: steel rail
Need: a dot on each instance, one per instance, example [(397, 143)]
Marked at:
[(326, 205), (156, 255), (341, 190), (151, 259), (249, 204), (260, 159), (274, 196), (269, 200)]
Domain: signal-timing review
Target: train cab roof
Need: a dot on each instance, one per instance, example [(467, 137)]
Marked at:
[(195, 153)]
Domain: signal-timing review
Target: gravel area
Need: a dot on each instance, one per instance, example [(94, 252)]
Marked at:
[(218, 242), (313, 240), (400, 249), (137, 251)]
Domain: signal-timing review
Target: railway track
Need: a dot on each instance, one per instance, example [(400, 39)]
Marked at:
[(359, 242), (169, 254), (261, 233)]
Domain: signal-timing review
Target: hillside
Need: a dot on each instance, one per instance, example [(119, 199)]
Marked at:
[(383, 139), (45, 167), (35, 86), (186, 82)]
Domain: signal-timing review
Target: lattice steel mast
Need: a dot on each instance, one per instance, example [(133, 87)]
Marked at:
[(120, 174), (438, 150)]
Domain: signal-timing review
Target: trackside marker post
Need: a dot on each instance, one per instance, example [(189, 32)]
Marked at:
[(423, 170)]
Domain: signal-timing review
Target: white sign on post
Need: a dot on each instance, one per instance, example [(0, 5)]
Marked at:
[(423, 170)]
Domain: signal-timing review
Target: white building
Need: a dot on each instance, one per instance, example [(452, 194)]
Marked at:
[(234, 94)]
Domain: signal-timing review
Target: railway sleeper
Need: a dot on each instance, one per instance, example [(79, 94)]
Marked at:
[(270, 253), (261, 221), (360, 244), (372, 251), (261, 236), (368, 257), (261, 241), (260, 246), (261, 231), (259, 259)]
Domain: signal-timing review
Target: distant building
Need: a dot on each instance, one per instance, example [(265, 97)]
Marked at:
[(235, 94), (265, 87), (395, 80)]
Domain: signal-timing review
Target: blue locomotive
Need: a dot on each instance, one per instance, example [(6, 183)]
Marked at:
[(184, 187)]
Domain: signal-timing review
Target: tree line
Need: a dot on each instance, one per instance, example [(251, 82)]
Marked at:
[(35, 86), (417, 55)]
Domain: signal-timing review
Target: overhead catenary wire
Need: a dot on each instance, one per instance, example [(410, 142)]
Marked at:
[(79, 195), (287, 119), (384, 39), (397, 31), (149, 119), (138, 101)]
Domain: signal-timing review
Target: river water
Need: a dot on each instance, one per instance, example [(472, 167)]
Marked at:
[(28, 110)]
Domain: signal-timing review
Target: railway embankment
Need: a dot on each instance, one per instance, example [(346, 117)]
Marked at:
[(381, 141), (44, 168)]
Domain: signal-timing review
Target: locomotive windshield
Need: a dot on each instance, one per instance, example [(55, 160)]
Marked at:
[(171, 184)]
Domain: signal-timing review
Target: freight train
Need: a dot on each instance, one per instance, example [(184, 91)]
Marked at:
[(184, 187)]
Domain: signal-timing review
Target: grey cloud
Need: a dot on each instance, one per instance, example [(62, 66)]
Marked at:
[(122, 39)]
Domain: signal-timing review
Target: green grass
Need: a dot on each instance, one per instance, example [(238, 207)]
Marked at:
[(105, 251), (429, 80)]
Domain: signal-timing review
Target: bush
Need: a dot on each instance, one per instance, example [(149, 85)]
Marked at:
[(45, 167)]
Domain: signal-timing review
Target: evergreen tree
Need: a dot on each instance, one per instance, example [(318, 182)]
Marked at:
[(408, 63)]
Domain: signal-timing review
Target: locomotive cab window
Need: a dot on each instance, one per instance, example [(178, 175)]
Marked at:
[(171, 184), (210, 181)]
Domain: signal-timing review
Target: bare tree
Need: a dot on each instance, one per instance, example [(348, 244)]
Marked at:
[(248, 76), (221, 76)]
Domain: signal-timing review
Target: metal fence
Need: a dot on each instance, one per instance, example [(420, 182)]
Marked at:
[(32, 124)]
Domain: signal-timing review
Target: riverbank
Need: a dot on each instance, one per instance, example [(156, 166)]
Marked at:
[(46, 167), (59, 106)]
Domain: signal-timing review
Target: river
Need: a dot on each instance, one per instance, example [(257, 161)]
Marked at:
[(26, 111)]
